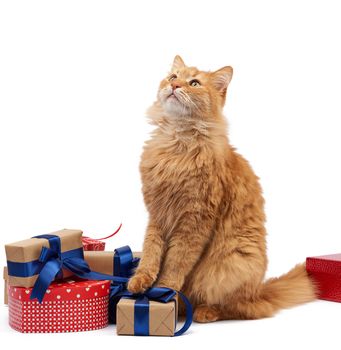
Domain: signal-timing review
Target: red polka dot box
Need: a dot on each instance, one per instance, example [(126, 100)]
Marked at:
[(68, 306)]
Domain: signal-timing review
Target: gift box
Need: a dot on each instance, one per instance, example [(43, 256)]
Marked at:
[(5, 285), (152, 313), (69, 306), (112, 263), (92, 244), (161, 321), (326, 272), (24, 257)]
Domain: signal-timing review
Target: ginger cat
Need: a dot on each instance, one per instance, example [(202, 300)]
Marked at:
[(206, 234)]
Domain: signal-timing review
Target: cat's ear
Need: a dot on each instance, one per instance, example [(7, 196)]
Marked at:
[(221, 78), (178, 63)]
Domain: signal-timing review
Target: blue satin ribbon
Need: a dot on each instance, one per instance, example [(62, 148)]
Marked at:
[(124, 262), (141, 316), (124, 265), (141, 306)]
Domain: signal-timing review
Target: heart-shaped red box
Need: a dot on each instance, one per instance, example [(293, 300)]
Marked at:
[(68, 306)]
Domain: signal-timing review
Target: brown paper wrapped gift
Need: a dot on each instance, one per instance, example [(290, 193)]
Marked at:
[(103, 261), (5, 286), (162, 317), (29, 250)]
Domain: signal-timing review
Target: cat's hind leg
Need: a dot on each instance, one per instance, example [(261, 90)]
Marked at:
[(239, 310), (216, 292)]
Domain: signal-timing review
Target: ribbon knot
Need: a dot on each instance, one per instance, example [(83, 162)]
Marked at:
[(47, 254), (53, 262)]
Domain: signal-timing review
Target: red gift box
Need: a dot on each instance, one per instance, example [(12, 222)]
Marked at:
[(69, 306), (92, 244), (326, 271)]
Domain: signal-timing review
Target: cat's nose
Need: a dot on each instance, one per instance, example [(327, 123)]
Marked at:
[(175, 85)]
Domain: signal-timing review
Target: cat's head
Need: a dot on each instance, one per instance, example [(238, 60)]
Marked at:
[(187, 91)]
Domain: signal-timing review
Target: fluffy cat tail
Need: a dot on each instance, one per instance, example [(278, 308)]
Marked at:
[(290, 289)]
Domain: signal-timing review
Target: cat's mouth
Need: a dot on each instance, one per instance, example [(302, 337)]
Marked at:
[(172, 96)]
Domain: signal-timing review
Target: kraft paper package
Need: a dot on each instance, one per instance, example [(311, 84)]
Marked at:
[(23, 257), (162, 317), (103, 261)]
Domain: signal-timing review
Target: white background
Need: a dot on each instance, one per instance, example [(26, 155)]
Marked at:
[(75, 80)]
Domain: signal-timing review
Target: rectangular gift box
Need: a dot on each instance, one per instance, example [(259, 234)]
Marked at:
[(103, 262), (92, 244), (326, 271), (162, 317), (68, 306), (22, 257)]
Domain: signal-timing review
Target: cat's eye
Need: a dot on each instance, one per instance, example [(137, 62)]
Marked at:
[(194, 82), (172, 77)]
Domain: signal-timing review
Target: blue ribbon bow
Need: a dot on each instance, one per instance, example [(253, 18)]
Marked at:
[(141, 306), (53, 261)]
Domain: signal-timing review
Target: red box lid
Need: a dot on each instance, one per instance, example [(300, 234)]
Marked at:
[(330, 264)]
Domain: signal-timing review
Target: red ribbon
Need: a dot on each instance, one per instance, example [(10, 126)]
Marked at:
[(113, 234)]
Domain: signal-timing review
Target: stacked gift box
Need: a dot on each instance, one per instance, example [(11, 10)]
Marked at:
[(63, 282)]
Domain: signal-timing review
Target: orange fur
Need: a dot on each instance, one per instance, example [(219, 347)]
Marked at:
[(206, 233)]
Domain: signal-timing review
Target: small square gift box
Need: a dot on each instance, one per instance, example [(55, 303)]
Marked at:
[(25, 258), (68, 306), (151, 313), (326, 272), (92, 244)]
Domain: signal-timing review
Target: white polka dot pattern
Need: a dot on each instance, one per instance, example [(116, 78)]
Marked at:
[(69, 307)]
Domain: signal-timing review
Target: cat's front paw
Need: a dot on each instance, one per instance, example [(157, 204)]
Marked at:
[(140, 282)]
